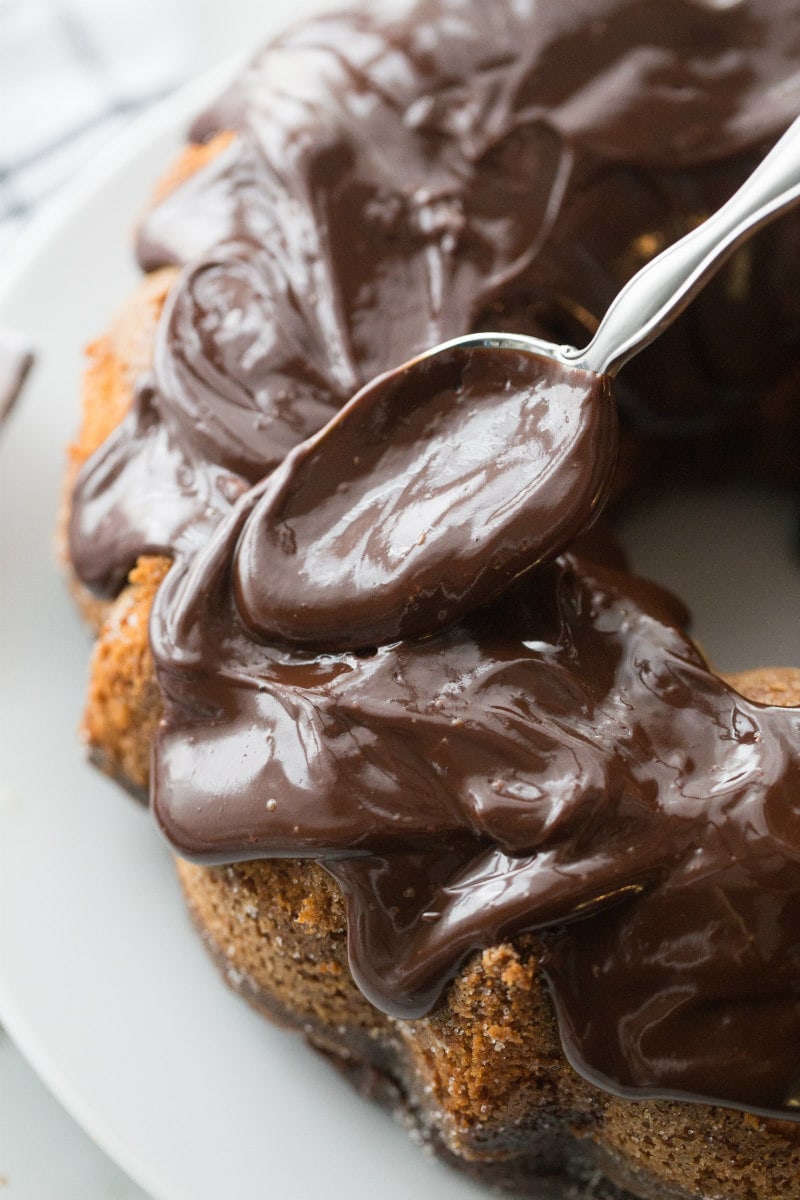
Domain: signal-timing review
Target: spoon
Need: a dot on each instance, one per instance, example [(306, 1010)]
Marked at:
[(443, 480)]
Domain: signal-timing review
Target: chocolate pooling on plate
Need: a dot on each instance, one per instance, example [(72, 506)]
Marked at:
[(560, 760)]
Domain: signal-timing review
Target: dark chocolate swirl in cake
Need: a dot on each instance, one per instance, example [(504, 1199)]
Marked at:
[(562, 760)]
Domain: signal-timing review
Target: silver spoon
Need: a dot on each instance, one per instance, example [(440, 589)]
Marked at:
[(443, 480)]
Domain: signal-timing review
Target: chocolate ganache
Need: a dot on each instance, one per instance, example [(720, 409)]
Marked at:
[(561, 760)]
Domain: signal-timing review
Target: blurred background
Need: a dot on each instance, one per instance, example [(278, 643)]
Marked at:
[(74, 73)]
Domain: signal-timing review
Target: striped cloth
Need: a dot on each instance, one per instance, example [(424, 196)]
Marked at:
[(72, 74)]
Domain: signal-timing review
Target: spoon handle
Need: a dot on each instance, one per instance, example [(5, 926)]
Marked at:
[(657, 294)]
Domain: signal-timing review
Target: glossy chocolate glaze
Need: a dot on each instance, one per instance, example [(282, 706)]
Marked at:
[(565, 752), (400, 182), (16, 361), (561, 760), (435, 488)]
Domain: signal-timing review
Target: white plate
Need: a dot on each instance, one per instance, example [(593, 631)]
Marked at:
[(102, 982)]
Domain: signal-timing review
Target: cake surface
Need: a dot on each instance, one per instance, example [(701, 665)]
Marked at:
[(505, 848)]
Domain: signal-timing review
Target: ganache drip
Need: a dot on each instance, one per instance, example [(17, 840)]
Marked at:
[(562, 761), (564, 752)]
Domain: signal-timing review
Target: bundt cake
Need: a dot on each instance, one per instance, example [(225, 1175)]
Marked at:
[(533, 879)]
